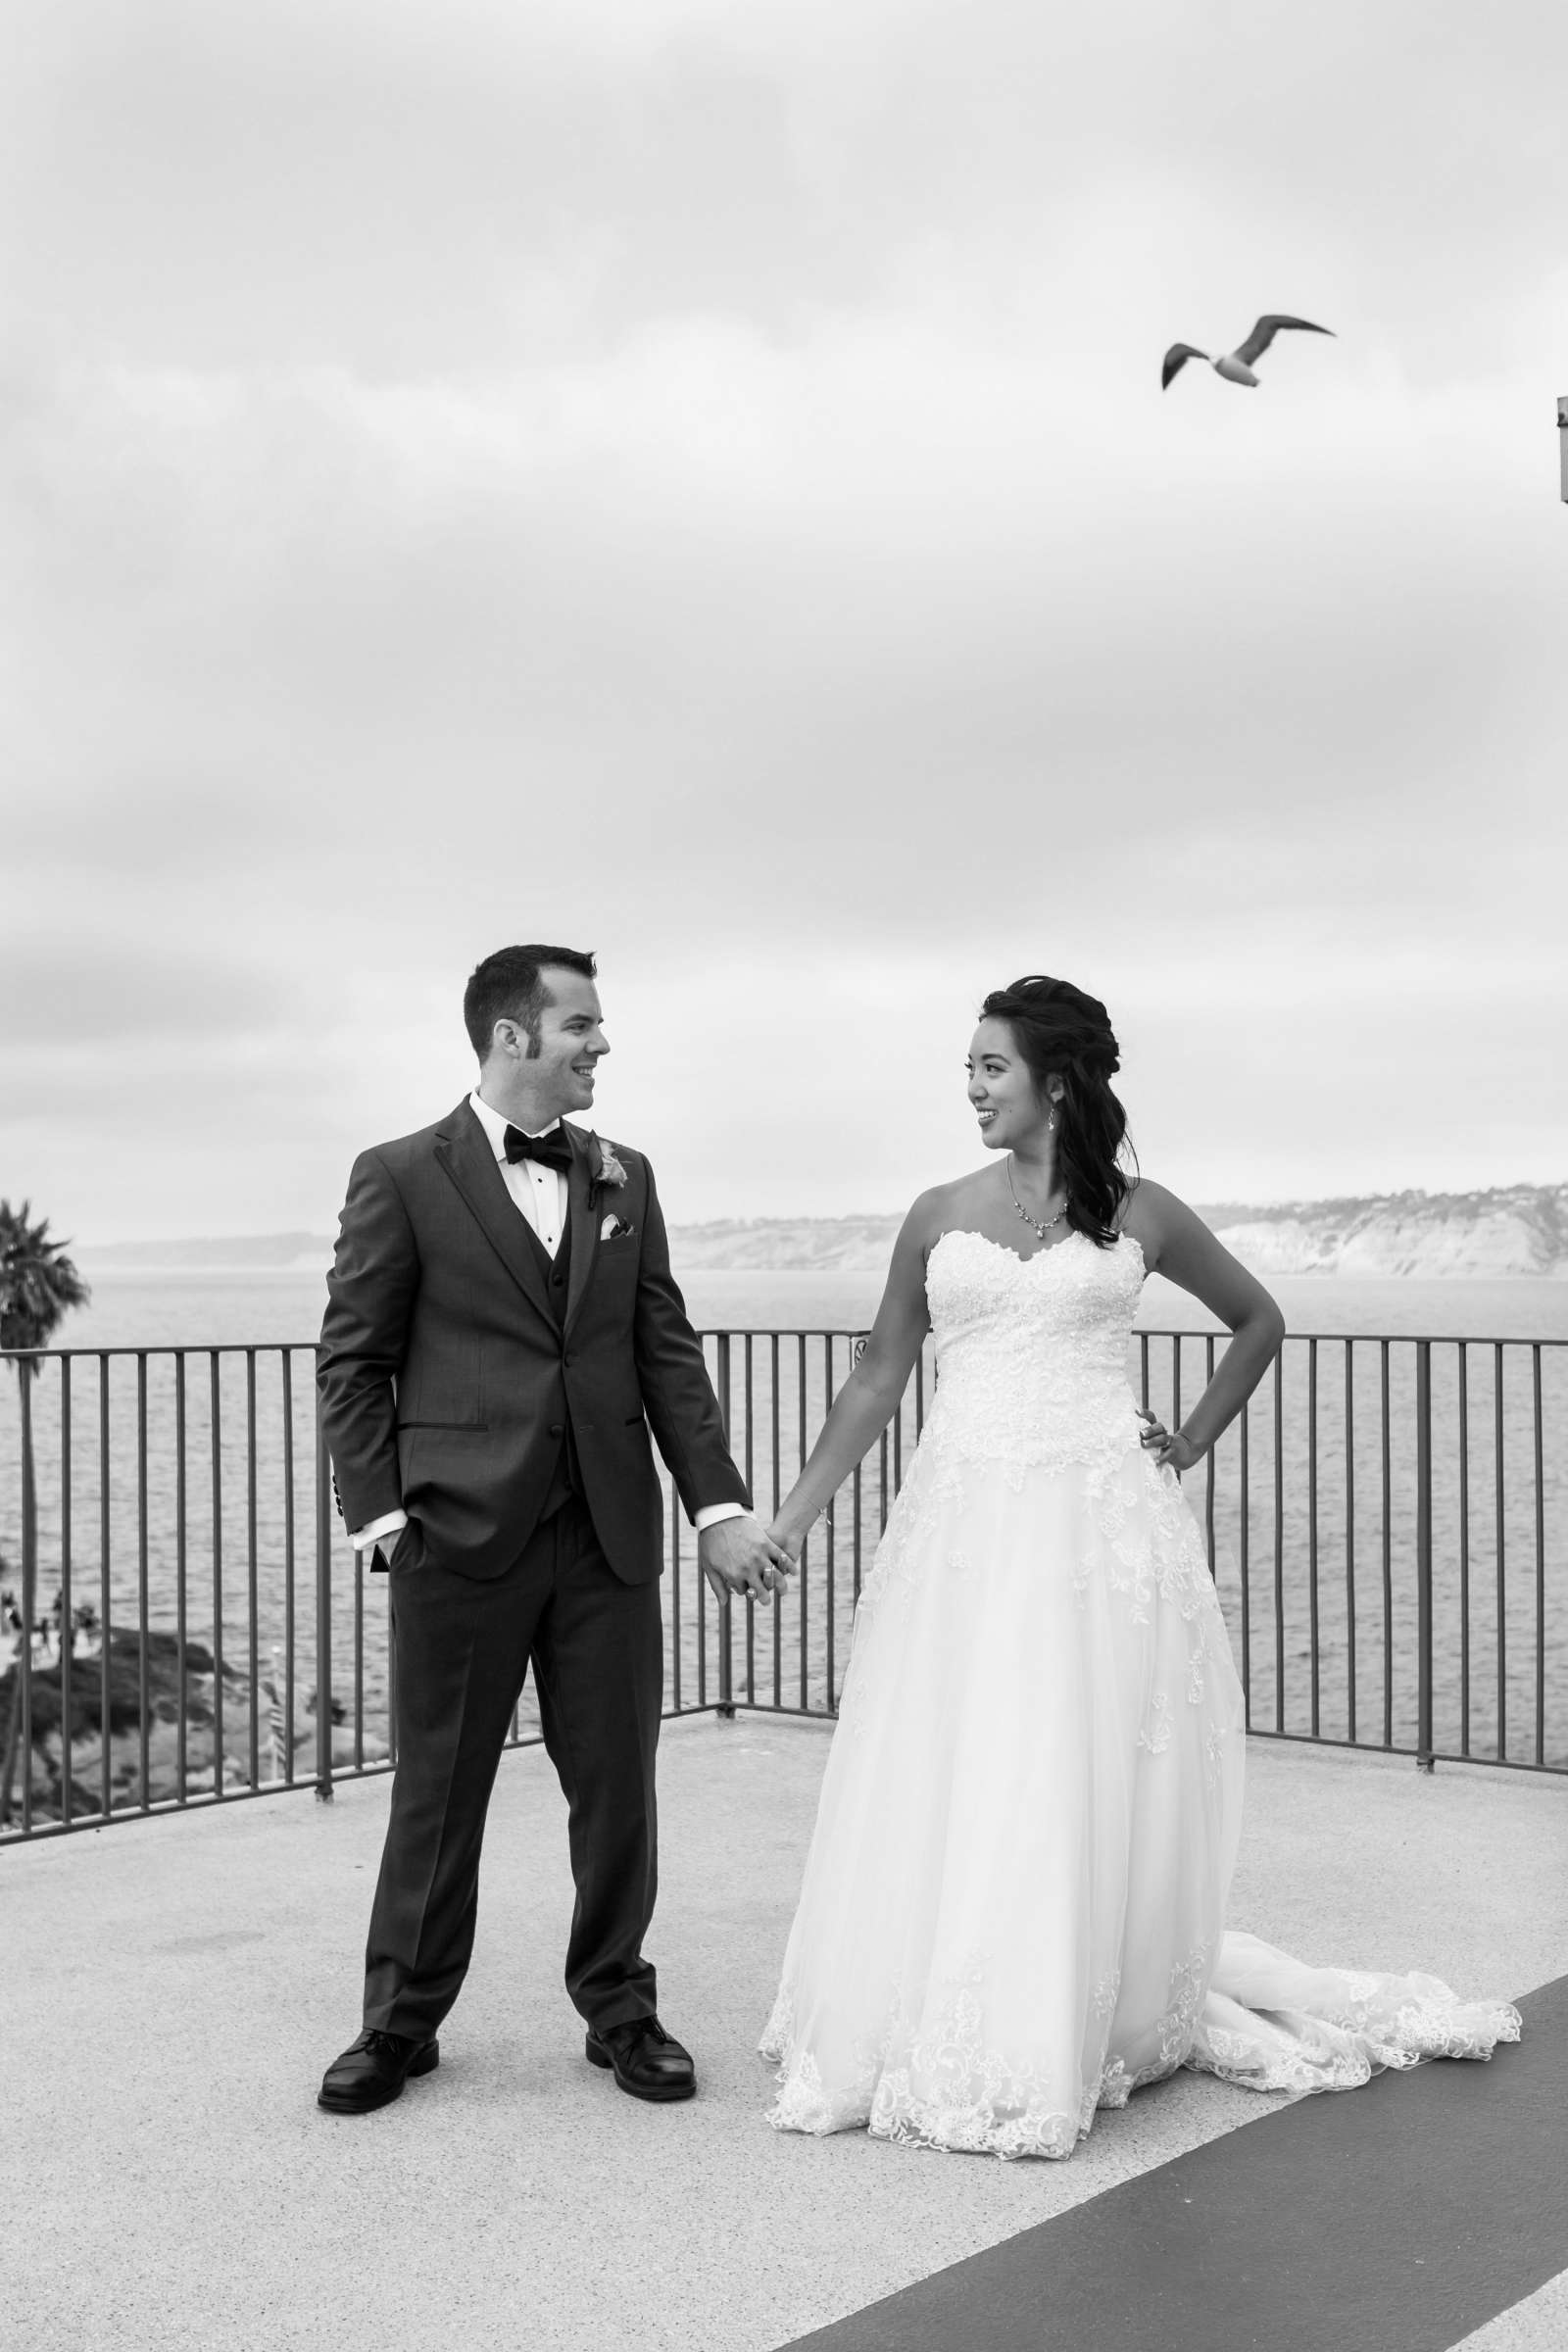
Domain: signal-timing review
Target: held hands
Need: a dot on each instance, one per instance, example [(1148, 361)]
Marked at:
[(1171, 1452), (736, 1556), (791, 1547)]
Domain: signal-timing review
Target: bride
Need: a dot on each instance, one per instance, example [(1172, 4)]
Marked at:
[(1013, 1906)]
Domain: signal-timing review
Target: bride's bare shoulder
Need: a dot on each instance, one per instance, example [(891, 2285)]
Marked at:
[(1150, 1213), (943, 1206)]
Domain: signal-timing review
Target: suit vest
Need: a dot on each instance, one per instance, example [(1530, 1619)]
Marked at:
[(565, 1479)]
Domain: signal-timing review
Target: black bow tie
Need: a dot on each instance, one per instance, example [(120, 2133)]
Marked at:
[(550, 1150)]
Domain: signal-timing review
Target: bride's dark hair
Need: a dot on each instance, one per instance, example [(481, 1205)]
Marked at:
[(1063, 1034)]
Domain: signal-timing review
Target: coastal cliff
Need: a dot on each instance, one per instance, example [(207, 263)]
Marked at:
[(1515, 1230)]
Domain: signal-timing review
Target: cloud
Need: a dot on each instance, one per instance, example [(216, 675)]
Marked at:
[(84, 998), (432, 187), (694, 481)]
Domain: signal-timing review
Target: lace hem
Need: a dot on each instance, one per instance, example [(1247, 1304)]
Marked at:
[(945, 2090), (940, 2084), (1270, 2024), (940, 2089), (889, 2109)]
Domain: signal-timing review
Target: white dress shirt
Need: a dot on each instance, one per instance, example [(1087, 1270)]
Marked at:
[(539, 1191), (540, 1194)]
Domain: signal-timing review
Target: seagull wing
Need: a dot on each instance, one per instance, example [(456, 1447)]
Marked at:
[(1176, 359), (1264, 332)]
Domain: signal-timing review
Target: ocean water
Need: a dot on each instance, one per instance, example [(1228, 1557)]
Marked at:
[(1311, 1502), (204, 1310)]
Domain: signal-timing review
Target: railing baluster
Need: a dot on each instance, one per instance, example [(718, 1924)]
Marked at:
[(778, 1495), (181, 1670), (1388, 1557), (1208, 1481), (1464, 1364), (1311, 1529), (1349, 1538), (678, 1638), (289, 1637), (253, 1636), (1244, 1531), (1279, 1542), (1540, 1556), (1501, 1543), (143, 1702), (1423, 1552), (323, 1614), (727, 1609), (23, 1699), (359, 1665), (105, 1604), (827, 1406), (804, 1584), (701, 1581), (750, 1473), (67, 1627), (216, 1440), (855, 1568)]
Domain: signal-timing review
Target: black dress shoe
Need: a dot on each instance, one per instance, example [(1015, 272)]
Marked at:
[(643, 2059), (373, 2069)]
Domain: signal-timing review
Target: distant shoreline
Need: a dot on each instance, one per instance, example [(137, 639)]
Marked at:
[(1510, 1232)]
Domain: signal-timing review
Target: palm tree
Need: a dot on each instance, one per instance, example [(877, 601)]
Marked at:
[(38, 1284)]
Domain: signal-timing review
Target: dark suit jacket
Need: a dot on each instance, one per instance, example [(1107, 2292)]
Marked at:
[(438, 1287)]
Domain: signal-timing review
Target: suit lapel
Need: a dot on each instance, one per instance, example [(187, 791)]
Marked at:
[(581, 1216), (465, 1153)]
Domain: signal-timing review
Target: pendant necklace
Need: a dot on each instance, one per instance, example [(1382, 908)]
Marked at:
[(1040, 1231)]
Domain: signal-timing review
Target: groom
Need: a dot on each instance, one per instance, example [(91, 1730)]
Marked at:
[(503, 1331)]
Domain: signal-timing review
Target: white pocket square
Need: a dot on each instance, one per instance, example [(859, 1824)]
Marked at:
[(613, 1227)]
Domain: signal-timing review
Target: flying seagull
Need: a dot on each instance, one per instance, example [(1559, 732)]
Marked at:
[(1236, 366)]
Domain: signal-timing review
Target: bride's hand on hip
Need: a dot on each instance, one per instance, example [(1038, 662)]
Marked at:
[(1172, 1450)]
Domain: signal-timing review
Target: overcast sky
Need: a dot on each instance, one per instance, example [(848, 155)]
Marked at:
[(689, 478)]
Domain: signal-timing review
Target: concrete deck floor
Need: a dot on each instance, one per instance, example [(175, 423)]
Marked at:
[(172, 1989)]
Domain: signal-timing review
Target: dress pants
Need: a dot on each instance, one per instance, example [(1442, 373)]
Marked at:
[(463, 1645)]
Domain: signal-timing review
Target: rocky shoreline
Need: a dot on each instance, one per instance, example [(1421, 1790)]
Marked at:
[(196, 1709)]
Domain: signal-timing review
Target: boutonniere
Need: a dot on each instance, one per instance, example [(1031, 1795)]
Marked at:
[(605, 1171)]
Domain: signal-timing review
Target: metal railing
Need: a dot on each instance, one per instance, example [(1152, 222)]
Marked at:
[(1387, 1524)]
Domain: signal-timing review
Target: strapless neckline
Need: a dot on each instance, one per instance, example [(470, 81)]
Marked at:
[(955, 1233)]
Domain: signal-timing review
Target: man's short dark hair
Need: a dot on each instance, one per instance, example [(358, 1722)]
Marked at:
[(506, 987)]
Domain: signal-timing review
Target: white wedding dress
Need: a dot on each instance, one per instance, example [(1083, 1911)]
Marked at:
[(1014, 1907)]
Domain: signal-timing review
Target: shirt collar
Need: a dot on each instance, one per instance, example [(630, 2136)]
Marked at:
[(495, 1124)]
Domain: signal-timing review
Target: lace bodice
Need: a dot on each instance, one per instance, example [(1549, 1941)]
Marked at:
[(1031, 1352)]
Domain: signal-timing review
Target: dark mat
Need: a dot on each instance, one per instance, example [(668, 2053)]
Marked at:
[(1397, 2218)]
